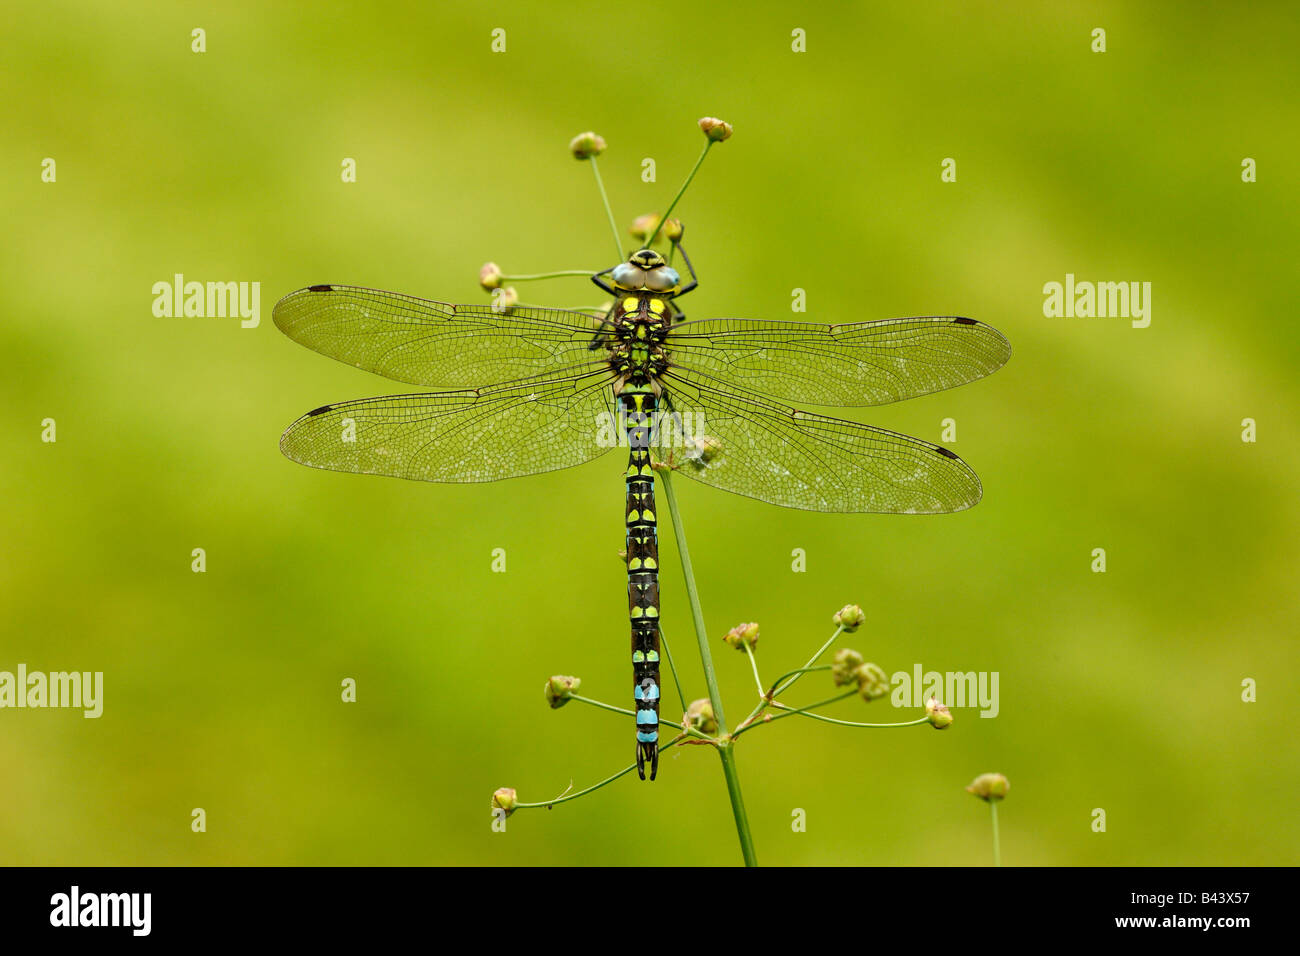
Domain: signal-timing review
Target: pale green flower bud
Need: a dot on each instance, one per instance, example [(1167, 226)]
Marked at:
[(844, 669), (849, 617), (715, 129), (940, 716), (559, 689), (872, 682), (742, 635), (505, 799), (699, 716), (586, 145), (643, 227), (989, 786)]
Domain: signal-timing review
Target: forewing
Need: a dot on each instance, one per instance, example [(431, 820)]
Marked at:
[(472, 435), (860, 363), (435, 343)]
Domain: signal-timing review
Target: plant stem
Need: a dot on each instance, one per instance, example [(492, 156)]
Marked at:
[(548, 275), (566, 797), (673, 205), (997, 849), (574, 796), (693, 596), (618, 244), (673, 668), (726, 748), (727, 751), (843, 723), (753, 663), (811, 661)]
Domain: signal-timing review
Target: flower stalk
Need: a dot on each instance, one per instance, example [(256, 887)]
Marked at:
[(726, 745)]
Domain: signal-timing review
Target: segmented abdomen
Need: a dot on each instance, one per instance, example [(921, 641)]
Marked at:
[(638, 404)]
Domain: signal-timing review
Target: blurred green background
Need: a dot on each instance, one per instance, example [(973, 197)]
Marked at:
[(1119, 691)]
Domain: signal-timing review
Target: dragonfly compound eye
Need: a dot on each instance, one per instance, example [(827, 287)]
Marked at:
[(662, 279), (628, 276)]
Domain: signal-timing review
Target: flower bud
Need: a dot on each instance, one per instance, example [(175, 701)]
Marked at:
[(673, 230), (849, 617), (989, 786), (844, 669), (505, 799), (559, 689), (940, 716), (702, 450), (586, 145), (699, 716), (503, 300), (742, 636), (489, 277), (715, 129), (872, 681), (643, 227)]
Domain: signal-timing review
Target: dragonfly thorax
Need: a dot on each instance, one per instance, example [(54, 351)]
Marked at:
[(639, 326)]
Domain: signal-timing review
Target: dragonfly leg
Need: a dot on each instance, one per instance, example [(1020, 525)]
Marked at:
[(601, 284), (687, 259)]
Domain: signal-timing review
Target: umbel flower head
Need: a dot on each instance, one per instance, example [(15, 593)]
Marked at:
[(715, 129), (490, 277), (699, 716), (849, 617), (643, 227), (505, 299), (940, 716), (742, 636), (703, 450), (989, 786), (844, 669), (559, 689), (586, 145), (505, 799), (872, 682)]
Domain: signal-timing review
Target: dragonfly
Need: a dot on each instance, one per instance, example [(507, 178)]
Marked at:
[(522, 390)]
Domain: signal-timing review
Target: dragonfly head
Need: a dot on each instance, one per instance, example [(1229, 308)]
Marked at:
[(645, 269)]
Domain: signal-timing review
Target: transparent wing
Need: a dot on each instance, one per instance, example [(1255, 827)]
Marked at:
[(861, 363), (802, 460), (435, 343), (522, 428)]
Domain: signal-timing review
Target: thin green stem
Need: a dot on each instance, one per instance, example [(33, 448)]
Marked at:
[(778, 687), (693, 596), (581, 793), (672, 668), (753, 663), (566, 797), (726, 748), (997, 848), (811, 661), (789, 711), (549, 275), (673, 205), (848, 723), (799, 671), (727, 751), (618, 243)]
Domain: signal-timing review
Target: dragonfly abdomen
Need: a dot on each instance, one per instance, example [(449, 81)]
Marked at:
[(638, 405)]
